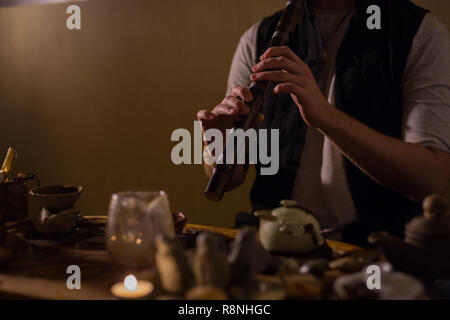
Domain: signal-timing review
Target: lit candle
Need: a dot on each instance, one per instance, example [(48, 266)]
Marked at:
[(131, 288)]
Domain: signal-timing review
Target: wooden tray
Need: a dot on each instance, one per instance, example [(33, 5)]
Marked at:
[(40, 269)]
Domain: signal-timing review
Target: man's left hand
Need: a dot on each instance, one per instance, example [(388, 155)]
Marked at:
[(282, 65)]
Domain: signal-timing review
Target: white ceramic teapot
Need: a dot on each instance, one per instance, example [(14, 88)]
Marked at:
[(289, 229)]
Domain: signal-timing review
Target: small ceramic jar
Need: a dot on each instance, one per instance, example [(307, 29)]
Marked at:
[(289, 229)]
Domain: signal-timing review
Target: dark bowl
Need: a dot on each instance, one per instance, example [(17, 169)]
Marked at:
[(57, 197), (179, 220)]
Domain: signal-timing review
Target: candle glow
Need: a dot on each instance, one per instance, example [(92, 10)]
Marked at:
[(132, 288), (130, 283)]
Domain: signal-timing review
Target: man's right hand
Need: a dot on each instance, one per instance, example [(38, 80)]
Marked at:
[(225, 115)]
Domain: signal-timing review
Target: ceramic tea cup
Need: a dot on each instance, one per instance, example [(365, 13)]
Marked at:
[(56, 198)]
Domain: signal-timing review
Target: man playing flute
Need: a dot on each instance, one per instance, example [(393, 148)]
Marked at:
[(363, 113)]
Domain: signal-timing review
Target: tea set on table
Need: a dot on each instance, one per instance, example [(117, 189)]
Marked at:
[(287, 258)]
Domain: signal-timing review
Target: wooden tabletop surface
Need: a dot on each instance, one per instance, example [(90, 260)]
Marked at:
[(40, 270)]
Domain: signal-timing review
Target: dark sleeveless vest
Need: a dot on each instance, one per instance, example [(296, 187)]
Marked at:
[(369, 69)]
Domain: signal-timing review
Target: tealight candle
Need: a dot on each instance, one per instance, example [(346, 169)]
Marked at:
[(131, 288)]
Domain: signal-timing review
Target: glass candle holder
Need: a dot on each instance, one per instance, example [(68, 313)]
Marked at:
[(134, 220)]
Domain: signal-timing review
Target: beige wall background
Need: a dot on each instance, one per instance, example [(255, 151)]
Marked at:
[(97, 107)]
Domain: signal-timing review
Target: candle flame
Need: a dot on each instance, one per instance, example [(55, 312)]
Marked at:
[(130, 283)]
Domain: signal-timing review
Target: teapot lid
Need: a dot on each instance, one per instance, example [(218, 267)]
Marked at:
[(433, 227), (291, 213), (288, 203), (290, 210)]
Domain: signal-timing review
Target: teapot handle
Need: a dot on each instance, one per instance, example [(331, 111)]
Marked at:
[(309, 228)]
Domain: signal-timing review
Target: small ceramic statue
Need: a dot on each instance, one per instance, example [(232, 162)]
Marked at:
[(172, 265), (247, 255), (210, 261), (424, 251)]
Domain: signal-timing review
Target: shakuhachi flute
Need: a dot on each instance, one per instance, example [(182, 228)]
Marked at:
[(223, 172)]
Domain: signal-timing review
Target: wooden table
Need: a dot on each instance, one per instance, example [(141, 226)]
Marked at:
[(40, 271)]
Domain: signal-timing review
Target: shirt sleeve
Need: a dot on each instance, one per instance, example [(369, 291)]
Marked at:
[(244, 59), (426, 87)]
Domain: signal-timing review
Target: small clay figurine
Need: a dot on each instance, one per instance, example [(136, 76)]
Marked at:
[(210, 261), (247, 255), (425, 250), (172, 265)]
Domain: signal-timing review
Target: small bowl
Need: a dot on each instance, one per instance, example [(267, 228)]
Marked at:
[(57, 197)]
